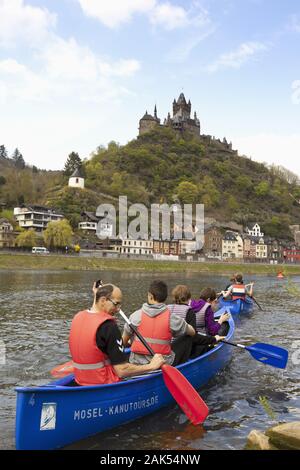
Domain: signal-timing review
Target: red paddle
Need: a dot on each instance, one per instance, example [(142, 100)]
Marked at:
[(180, 388), (62, 370)]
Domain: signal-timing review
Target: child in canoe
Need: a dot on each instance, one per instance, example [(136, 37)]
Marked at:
[(181, 296), (205, 315), (156, 323)]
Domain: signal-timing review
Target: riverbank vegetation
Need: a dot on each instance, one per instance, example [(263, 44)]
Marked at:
[(83, 263)]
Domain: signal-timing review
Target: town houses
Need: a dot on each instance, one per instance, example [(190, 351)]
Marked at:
[(221, 242)]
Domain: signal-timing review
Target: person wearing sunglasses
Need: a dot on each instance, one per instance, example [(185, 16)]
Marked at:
[(96, 343)]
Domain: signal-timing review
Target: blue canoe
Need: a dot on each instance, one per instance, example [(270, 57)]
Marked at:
[(237, 306), (57, 414)]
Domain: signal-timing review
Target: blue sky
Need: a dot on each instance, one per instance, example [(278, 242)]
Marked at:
[(75, 74)]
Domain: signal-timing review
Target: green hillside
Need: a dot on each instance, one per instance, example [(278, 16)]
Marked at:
[(164, 166)]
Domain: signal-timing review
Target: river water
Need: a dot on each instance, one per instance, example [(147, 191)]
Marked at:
[(36, 309)]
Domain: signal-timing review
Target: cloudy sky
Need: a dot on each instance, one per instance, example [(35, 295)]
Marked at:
[(75, 74)]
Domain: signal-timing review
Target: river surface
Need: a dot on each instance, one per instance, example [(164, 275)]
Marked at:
[(36, 309)]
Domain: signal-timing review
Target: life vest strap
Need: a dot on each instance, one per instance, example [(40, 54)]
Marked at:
[(154, 340), (97, 365)]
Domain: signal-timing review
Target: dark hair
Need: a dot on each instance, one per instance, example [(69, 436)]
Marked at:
[(208, 293), (181, 294), (239, 278), (104, 291), (159, 290)]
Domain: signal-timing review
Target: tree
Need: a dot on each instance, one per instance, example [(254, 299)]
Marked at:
[(58, 234), (27, 239), (3, 152), (232, 203), (187, 192), (2, 180), (73, 162), (210, 196), (262, 189), (243, 183), (18, 160)]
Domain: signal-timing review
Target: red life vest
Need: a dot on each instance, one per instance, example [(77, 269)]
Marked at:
[(91, 365), (156, 331), (238, 291)]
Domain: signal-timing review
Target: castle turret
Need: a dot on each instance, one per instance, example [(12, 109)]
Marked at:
[(148, 122), (76, 180)]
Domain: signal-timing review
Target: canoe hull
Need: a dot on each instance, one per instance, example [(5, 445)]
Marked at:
[(238, 306), (55, 415)]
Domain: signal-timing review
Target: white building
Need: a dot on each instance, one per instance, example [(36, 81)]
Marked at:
[(261, 249), (89, 222), (76, 180), (187, 247), (254, 231), (232, 246), (36, 217), (137, 247)]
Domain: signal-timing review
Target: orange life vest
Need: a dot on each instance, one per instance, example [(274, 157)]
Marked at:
[(91, 365), (238, 291), (156, 331)]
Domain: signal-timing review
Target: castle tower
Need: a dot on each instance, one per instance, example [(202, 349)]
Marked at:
[(181, 107), (148, 122), (76, 180)]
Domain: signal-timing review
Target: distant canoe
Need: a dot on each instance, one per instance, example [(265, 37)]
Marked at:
[(55, 415), (237, 306)]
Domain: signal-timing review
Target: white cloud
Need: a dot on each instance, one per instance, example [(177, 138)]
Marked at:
[(68, 60), (112, 13), (296, 93), (237, 58), (18, 82), (169, 16), (271, 148), (20, 22), (67, 70), (294, 24), (201, 28)]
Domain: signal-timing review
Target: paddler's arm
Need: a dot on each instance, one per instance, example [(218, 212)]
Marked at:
[(226, 293), (127, 370), (125, 338), (250, 291)]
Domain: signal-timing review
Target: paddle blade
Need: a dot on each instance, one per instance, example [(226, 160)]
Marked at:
[(185, 395), (62, 370), (269, 354)]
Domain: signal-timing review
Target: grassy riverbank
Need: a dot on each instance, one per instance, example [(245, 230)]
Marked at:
[(77, 263)]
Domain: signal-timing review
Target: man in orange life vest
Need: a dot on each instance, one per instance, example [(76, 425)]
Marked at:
[(155, 322), (238, 290), (96, 344)]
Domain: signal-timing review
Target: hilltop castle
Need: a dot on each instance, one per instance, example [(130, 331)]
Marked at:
[(181, 120)]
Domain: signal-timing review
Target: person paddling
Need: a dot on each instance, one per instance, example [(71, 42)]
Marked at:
[(199, 344), (238, 290), (156, 323), (96, 344), (205, 316)]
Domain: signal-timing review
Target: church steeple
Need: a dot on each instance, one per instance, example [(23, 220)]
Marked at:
[(155, 112)]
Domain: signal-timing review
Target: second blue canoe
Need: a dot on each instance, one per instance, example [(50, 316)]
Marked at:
[(237, 306)]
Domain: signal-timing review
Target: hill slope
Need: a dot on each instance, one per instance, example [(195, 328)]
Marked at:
[(163, 166)]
